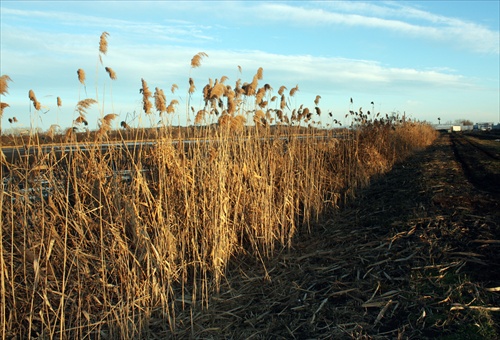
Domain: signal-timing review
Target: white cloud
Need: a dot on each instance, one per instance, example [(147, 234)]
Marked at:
[(419, 23)]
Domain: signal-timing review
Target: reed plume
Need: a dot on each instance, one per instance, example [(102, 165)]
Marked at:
[(200, 116), (196, 60), (259, 117), (2, 106), (81, 120), (173, 88), (111, 73), (237, 123), (160, 100), (260, 73), (83, 105), (283, 102), (32, 97), (294, 90), (316, 101), (146, 94), (124, 125), (59, 102), (192, 88), (171, 107), (69, 134), (217, 91), (103, 43), (4, 86), (81, 76), (282, 90), (108, 118)]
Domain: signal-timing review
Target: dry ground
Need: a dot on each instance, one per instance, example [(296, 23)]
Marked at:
[(415, 255)]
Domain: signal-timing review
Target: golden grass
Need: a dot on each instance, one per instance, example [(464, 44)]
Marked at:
[(106, 239)]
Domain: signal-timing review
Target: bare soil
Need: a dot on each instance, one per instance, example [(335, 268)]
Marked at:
[(415, 255)]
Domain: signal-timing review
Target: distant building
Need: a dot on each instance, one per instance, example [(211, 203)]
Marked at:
[(483, 126)]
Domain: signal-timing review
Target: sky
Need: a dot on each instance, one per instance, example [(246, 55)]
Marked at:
[(424, 59)]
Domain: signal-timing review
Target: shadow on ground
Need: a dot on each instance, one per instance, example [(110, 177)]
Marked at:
[(415, 255)]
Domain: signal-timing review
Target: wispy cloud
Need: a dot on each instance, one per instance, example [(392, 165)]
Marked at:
[(404, 20)]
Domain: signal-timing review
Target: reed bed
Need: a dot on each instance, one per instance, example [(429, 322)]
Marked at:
[(96, 243)]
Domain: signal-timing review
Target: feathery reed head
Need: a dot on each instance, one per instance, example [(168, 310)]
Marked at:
[(2, 106), (171, 107), (81, 76), (81, 120), (200, 116), (260, 73), (84, 104), (36, 103), (160, 100), (146, 94), (108, 118), (192, 88), (111, 73), (173, 88), (59, 102), (292, 91), (3, 84), (103, 43), (196, 60)]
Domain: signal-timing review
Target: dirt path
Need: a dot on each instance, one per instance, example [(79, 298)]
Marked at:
[(416, 255)]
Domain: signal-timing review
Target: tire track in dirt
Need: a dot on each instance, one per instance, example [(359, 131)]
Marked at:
[(473, 163)]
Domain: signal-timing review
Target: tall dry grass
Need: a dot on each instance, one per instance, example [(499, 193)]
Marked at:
[(101, 242)]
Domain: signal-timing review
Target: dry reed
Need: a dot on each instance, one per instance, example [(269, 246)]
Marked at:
[(128, 236), (83, 105), (4, 86), (81, 76), (103, 43), (196, 60), (2, 107), (111, 73), (146, 94), (160, 100)]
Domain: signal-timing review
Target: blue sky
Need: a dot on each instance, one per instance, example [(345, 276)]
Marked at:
[(428, 59)]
